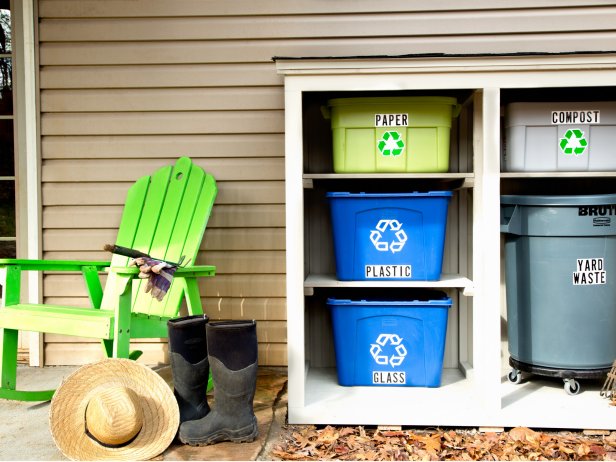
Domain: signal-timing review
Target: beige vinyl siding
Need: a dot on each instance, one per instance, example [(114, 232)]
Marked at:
[(127, 87)]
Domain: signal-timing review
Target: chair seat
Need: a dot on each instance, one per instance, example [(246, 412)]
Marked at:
[(52, 319)]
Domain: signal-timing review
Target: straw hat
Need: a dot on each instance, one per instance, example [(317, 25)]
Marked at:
[(115, 409)]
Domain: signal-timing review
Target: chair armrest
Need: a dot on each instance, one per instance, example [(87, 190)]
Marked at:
[(53, 265), (186, 272), (196, 271)]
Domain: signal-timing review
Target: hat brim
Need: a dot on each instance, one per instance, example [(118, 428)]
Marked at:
[(161, 415)]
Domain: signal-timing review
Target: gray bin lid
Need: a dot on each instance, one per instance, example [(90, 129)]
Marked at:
[(573, 215), (590, 199)]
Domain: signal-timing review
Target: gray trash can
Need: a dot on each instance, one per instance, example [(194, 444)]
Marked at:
[(560, 264)]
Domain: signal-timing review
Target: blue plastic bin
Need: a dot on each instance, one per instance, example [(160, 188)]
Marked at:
[(390, 343), (393, 236)]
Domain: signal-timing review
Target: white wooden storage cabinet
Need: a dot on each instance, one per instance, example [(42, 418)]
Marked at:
[(475, 390)]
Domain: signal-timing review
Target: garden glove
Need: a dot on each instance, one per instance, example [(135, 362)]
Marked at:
[(158, 273)]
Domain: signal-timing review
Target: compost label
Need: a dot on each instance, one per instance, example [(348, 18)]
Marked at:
[(589, 271), (388, 350), (574, 142), (388, 236), (391, 144), (576, 117)]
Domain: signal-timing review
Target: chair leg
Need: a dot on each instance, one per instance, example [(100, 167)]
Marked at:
[(8, 358), (121, 344), (8, 353), (121, 330), (108, 350)]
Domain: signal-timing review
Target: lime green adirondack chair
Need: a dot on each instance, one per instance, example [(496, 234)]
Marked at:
[(165, 216)]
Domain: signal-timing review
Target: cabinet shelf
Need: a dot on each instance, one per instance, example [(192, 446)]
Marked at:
[(339, 405), (558, 175), (456, 180), (447, 281)]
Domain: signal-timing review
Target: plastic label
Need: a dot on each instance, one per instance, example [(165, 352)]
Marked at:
[(387, 271), (589, 271)]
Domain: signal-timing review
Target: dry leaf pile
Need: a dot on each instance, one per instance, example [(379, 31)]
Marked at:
[(520, 443)]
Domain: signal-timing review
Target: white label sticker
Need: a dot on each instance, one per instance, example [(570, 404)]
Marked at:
[(388, 235), (576, 117), (388, 349), (388, 378), (391, 120), (589, 271), (387, 271)]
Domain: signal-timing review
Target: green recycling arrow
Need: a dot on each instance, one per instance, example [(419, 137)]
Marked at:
[(573, 142), (391, 144)]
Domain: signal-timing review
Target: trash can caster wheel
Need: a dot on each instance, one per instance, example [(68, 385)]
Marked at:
[(515, 376), (572, 387)]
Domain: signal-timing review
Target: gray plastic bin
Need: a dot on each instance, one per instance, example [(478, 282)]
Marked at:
[(560, 263), (560, 136)]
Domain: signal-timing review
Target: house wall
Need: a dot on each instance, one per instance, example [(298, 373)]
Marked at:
[(128, 86)]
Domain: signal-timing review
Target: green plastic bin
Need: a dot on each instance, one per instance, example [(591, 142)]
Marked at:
[(391, 134)]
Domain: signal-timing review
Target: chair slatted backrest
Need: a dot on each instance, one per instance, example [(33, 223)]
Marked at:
[(165, 216)]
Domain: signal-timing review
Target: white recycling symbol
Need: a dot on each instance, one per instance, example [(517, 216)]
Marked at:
[(394, 359), (396, 244)]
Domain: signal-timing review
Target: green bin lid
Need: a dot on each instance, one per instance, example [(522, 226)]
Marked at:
[(375, 100), (589, 199)]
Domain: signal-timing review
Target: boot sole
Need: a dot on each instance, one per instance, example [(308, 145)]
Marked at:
[(235, 436)]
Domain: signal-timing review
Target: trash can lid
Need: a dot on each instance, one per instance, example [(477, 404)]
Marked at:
[(588, 199), (389, 195)]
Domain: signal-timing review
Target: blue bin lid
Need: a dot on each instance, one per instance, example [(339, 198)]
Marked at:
[(441, 302), (589, 199), (390, 195)]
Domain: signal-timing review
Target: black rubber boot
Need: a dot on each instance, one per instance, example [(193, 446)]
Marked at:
[(232, 348), (189, 365)]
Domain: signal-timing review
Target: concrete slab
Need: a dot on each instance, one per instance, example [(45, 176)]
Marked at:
[(25, 431)]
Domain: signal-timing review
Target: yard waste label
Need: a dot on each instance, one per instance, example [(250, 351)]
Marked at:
[(388, 350), (589, 271)]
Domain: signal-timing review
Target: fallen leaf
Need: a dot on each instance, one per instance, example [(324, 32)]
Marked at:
[(328, 435), (523, 434), (582, 449), (347, 431), (288, 456), (598, 450)]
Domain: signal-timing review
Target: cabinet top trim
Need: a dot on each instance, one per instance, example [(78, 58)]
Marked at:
[(445, 63)]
